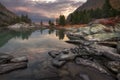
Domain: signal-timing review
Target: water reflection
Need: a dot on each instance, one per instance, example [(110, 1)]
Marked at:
[(60, 34), (25, 35)]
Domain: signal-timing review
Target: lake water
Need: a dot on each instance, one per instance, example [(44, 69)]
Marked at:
[(32, 41), (35, 45)]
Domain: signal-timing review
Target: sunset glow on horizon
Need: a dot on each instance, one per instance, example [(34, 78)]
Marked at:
[(44, 10)]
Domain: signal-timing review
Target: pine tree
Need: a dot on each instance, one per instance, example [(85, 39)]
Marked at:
[(107, 9), (41, 23), (62, 20)]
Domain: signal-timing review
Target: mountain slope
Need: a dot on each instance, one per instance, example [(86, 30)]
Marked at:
[(6, 16), (95, 5), (91, 4)]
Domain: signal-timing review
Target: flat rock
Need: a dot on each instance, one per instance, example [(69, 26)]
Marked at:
[(69, 56), (84, 43), (58, 63), (19, 59), (4, 68)]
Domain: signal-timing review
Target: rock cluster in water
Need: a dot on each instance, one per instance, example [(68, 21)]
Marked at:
[(98, 46), (9, 63)]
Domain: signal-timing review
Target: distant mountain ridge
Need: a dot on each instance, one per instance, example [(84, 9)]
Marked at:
[(6, 16)]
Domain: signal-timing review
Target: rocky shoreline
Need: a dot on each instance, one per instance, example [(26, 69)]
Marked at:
[(9, 63), (98, 46)]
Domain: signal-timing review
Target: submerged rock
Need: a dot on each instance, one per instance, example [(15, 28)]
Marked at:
[(12, 66), (19, 59)]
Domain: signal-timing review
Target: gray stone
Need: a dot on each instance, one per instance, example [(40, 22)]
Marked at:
[(65, 51), (89, 63), (82, 42), (58, 63), (54, 53), (109, 52), (19, 59), (97, 28), (102, 36), (4, 58), (69, 56), (4, 68), (114, 66)]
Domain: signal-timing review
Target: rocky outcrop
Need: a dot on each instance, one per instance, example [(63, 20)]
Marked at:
[(101, 51), (4, 68), (96, 32), (9, 63)]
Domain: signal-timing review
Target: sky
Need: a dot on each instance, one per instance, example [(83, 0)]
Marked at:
[(44, 10)]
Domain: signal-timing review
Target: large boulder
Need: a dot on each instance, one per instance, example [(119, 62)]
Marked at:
[(91, 29), (4, 68), (89, 63), (108, 52), (97, 28)]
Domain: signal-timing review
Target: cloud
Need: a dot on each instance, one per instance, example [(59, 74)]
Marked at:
[(42, 9)]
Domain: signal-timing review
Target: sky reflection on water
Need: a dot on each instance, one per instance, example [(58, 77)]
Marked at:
[(33, 41)]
